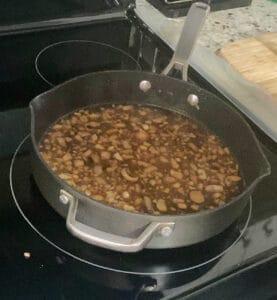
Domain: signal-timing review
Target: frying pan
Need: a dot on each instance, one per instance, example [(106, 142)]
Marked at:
[(115, 229)]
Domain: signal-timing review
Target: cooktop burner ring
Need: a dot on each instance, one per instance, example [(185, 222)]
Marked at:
[(85, 261), (70, 47)]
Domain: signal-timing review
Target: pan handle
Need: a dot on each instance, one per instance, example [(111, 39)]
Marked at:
[(108, 240), (192, 26)]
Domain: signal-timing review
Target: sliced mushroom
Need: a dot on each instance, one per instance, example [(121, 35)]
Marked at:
[(161, 205), (214, 188), (127, 176), (197, 196)]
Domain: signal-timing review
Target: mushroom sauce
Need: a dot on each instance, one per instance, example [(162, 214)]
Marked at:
[(142, 159)]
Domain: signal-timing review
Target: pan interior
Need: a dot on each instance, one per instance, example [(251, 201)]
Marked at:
[(162, 111)]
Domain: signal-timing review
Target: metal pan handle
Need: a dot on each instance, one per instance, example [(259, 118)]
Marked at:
[(194, 22), (108, 240)]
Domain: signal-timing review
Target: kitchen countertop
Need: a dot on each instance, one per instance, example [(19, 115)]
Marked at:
[(235, 24), (221, 27)]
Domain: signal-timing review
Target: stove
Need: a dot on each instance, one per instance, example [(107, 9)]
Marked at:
[(39, 258)]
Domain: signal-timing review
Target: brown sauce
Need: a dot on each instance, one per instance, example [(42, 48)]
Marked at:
[(142, 159)]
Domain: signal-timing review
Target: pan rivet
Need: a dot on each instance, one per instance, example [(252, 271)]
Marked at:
[(145, 85), (193, 100), (166, 231), (64, 199)]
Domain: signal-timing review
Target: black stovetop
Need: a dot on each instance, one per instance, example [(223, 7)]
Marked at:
[(20, 12), (39, 259)]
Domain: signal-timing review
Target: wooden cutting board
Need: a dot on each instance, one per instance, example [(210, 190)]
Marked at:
[(256, 59)]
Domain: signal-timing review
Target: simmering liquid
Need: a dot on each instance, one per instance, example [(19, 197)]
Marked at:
[(142, 159)]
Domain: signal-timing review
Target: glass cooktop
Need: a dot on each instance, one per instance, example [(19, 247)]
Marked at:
[(18, 12)]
